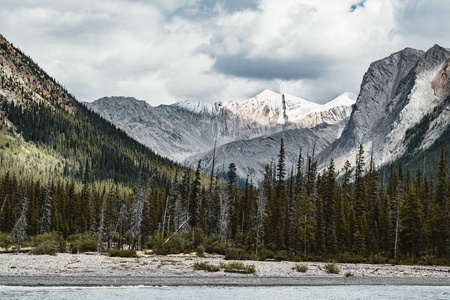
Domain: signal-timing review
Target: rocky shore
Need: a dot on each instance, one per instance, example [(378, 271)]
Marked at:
[(85, 270)]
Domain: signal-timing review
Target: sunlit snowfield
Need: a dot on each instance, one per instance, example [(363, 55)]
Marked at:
[(309, 292)]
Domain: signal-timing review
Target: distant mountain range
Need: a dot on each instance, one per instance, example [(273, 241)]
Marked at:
[(396, 94), (247, 132)]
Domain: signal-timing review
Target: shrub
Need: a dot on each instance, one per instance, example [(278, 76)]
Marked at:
[(122, 253), (206, 266), (303, 268), (212, 245), (239, 254), (48, 243), (3, 238), (377, 259), (49, 247), (198, 236), (250, 269), (175, 245), (332, 268), (83, 246), (232, 266), (201, 251), (265, 253), (282, 255), (429, 260)]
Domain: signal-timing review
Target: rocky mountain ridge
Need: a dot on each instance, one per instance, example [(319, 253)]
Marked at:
[(189, 128), (397, 92)]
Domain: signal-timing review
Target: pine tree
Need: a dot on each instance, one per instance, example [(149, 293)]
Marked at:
[(194, 198), (46, 219), (360, 203), (360, 195), (306, 224), (329, 208), (280, 200), (411, 217), (264, 197), (438, 215), (374, 207), (84, 206)]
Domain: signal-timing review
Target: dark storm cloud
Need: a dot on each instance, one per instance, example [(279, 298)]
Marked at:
[(270, 68)]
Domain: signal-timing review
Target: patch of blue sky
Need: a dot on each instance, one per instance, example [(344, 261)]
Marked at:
[(355, 6)]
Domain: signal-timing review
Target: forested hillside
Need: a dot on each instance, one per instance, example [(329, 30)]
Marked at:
[(44, 113)]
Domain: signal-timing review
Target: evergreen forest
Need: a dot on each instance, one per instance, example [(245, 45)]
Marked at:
[(295, 214)]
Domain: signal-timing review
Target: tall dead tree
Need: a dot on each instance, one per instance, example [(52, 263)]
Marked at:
[(101, 228), (211, 201), (119, 225), (20, 227), (223, 217), (137, 209)]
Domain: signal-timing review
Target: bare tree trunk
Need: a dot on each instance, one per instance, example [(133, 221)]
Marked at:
[(396, 229), (165, 214), (100, 227), (260, 219), (3, 206), (21, 224), (137, 211)]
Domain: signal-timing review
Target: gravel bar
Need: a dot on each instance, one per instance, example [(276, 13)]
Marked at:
[(95, 281)]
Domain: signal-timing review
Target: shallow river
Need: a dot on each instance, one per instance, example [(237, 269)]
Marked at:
[(304, 292)]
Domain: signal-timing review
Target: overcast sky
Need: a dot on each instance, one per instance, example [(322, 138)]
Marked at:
[(162, 51)]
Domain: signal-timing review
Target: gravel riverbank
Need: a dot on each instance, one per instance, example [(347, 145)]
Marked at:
[(97, 270)]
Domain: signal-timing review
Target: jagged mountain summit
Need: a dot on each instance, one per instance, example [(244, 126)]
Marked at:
[(191, 127), (396, 94)]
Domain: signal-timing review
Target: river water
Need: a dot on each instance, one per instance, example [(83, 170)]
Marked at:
[(298, 292)]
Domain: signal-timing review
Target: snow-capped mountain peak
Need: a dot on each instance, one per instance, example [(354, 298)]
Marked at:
[(199, 107), (344, 99)]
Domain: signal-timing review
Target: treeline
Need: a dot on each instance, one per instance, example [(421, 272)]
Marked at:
[(306, 215)]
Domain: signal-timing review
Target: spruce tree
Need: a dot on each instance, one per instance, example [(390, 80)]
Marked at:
[(194, 198), (46, 219), (280, 205), (412, 218)]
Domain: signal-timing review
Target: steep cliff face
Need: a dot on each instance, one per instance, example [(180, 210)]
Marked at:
[(189, 128), (396, 93)]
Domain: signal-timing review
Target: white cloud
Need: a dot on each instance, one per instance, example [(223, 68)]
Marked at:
[(166, 50)]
